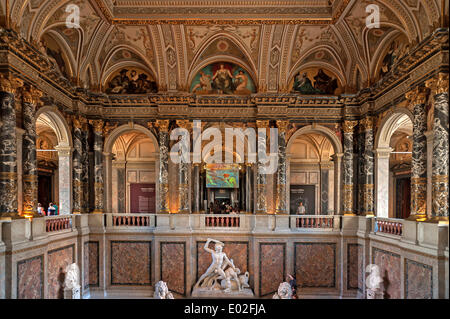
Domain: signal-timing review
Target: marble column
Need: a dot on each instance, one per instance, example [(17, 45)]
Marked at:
[(85, 166), (281, 201), (248, 187), (31, 98), (183, 175), (196, 207), (261, 203), (8, 148), (337, 159), (417, 99), (64, 179), (99, 205), (77, 165), (359, 171), (382, 181), (348, 167), (163, 126), (368, 188), (440, 169)]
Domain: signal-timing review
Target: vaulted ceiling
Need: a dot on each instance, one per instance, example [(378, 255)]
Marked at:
[(273, 40)]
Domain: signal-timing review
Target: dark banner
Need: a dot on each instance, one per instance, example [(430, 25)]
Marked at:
[(305, 194)]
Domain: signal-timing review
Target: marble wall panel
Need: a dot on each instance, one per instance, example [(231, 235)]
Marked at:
[(173, 266), (30, 278), (315, 265), (58, 260), (389, 264), (238, 251), (131, 263), (418, 280), (355, 267), (91, 264), (272, 270)]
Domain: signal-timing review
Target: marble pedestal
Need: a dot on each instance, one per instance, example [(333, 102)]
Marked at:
[(74, 293), (206, 293)]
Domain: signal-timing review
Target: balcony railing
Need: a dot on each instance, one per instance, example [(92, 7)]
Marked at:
[(58, 223), (222, 221), (314, 221), (389, 226), (130, 220)]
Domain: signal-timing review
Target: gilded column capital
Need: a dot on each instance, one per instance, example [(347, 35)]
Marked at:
[(367, 123), (31, 95), (108, 128), (283, 126), (163, 125), (98, 125), (348, 126), (439, 84), (76, 122), (186, 124), (417, 96), (262, 124), (9, 83)]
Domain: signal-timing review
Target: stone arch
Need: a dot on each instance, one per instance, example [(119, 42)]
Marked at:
[(337, 159), (108, 146), (382, 154), (54, 119)]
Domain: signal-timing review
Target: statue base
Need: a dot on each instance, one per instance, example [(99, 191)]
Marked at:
[(206, 293), (74, 293)]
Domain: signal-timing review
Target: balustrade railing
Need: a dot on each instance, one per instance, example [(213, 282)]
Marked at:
[(131, 220), (389, 226), (58, 223), (315, 221), (222, 221)]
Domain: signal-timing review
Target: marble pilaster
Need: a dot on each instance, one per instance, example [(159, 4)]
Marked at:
[(8, 148), (417, 99), (99, 204), (163, 126), (368, 188), (348, 167), (382, 180), (337, 159), (31, 97), (64, 179), (281, 201), (440, 168), (248, 187), (85, 166), (196, 207), (261, 203), (183, 175), (77, 165)]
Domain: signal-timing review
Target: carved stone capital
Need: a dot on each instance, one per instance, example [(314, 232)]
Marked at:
[(108, 128), (98, 125), (283, 126), (262, 124), (417, 96), (348, 126), (163, 125), (367, 123), (9, 83), (186, 124), (438, 84)]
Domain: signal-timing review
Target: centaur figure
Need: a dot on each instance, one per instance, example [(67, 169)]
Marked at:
[(220, 268)]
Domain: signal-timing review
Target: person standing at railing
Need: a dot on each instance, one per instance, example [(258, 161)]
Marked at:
[(51, 210), (301, 210), (40, 210), (56, 209)]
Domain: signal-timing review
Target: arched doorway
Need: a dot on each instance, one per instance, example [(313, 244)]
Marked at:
[(314, 171), (54, 149), (393, 151), (132, 166)]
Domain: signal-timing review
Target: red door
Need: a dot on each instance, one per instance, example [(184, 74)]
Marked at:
[(142, 198)]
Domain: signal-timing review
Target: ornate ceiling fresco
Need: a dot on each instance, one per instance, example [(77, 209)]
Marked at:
[(273, 42)]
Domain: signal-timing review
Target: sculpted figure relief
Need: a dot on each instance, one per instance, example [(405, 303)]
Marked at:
[(222, 274), (374, 282), (162, 291), (72, 279), (284, 291)]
